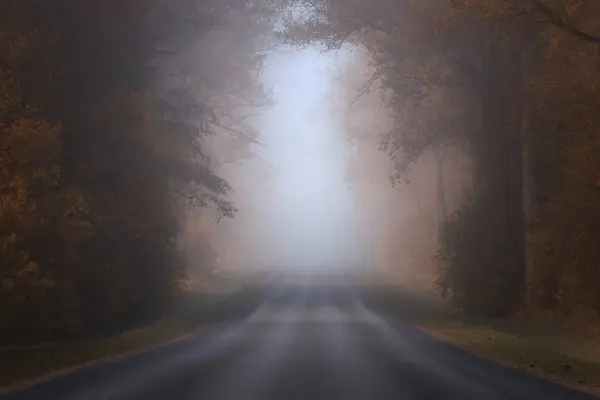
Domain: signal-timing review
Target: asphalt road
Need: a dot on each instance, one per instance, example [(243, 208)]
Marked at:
[(308, 340)]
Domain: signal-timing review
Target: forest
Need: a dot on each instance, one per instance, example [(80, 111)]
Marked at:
[(102, 146), (514, 85), (104, 140)]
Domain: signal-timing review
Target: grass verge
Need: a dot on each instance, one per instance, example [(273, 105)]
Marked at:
[(21, 367), (543, 348)]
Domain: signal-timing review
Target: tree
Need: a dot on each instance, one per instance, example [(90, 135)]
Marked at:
[(102, 138), (557, 127), (442, 98), (40, 218)]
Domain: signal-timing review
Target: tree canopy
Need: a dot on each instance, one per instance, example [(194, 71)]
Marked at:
[(514, 84), (102, 140)]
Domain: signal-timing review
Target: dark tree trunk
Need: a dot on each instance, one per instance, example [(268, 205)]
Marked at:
[(442, 207), (498, 184)]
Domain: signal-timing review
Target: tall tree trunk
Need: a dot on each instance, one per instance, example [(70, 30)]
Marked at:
[(498, 175), (529, 190), (514, 126), (442, 208), (528, 215)]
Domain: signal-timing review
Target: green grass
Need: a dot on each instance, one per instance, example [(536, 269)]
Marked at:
[(543, 348), (18, 366)]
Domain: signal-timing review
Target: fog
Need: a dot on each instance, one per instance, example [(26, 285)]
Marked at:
[(310, 182), (310, 219), (299, 206), (296, 209)]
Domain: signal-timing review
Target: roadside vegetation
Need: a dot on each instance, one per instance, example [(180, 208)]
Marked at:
[(195, 311), (488, 77), (542, 346), (103, 150), (514, 85), (103, 143)]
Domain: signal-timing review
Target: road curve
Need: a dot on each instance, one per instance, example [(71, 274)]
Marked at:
[(306, 341)]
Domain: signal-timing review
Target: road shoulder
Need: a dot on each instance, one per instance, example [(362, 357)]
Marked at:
[(540, 348), (29, 367), (25, 367)]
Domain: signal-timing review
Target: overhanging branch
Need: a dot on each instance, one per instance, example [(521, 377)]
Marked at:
[(366, 87), (235, 131), (557, 21)]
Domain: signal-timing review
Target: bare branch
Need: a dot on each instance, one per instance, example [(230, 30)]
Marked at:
[(366, 87), (235, 131), (235, 159), (241, 119), (559, 22)]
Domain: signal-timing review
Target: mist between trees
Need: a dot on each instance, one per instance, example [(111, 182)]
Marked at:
[(105, 108), (120, 120), (512, 87)]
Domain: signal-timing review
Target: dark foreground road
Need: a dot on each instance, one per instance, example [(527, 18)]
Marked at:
[(308, 342)]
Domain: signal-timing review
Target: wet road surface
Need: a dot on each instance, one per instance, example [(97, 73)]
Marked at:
[(309, 340)]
